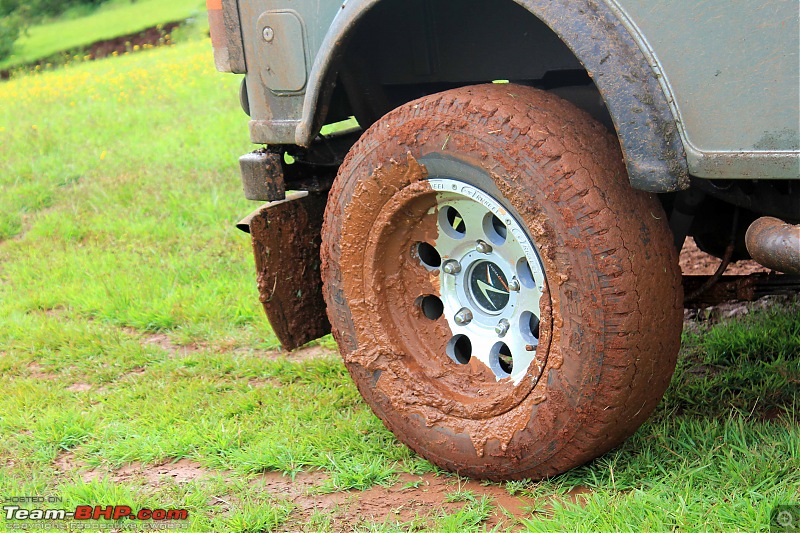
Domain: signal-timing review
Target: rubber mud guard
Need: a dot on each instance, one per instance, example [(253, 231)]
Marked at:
[(286, 242)]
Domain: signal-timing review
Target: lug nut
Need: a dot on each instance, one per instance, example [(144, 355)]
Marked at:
[(513, 284), (502, 328), (463, 317), (483, 247), (451, 266)]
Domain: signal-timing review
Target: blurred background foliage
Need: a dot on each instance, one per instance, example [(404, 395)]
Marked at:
[(18, 15)]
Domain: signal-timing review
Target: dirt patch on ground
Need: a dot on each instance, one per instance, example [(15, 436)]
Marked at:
[(79, 387), (66, 463), (38, 372), (298, 356), (411, 498), (309, 353), (698, 263), (162, 341), (148, 38), (133, 372), (699, 320), (154, 36), (181, 471)]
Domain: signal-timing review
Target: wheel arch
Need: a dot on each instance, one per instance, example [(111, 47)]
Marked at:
[(594, 32)]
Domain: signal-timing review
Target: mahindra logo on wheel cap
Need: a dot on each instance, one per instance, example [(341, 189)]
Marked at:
[(489, 286)]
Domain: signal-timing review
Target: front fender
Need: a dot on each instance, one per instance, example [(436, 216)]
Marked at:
[(596, 33)]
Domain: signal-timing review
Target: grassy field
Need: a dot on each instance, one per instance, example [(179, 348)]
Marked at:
[(131, 338), (117, 17)]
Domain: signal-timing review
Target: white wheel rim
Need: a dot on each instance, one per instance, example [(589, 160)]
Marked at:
[(500, 280)]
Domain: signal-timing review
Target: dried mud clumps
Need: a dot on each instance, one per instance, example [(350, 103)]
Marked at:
[(388, 216), (610, 333)]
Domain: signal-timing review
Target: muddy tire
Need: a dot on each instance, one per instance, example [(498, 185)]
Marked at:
[(512, 204)]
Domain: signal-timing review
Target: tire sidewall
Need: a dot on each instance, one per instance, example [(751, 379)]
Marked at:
[(538, 192)]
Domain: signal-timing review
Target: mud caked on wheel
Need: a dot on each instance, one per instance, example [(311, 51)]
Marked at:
[(505, 302)]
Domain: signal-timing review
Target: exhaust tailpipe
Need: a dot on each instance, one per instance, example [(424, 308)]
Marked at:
[(774, 244)]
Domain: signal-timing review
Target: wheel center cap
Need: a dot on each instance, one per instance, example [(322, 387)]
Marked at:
[(489, 287)]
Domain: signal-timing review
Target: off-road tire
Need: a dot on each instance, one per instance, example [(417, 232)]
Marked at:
[(611, 314)]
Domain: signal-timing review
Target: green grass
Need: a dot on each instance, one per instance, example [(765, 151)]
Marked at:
[(130, 331), (118, 17)]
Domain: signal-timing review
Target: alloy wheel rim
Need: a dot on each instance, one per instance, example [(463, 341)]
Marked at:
[(491, 281)]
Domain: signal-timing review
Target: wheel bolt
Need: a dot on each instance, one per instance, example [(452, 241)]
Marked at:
[(502, 328), (483, 247), (463, 317), (451, 266), (513, 284)]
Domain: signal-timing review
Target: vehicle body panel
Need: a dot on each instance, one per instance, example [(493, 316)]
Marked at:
[(732, 72), (695, 90), (724, 73)]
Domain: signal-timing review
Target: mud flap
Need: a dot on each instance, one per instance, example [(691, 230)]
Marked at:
[(286, 237)]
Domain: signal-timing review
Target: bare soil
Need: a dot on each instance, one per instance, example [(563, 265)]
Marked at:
[(154, 36), (38, 373), (695, 262), (301, 354), (411, 497), (150, 37), (181, 471)]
